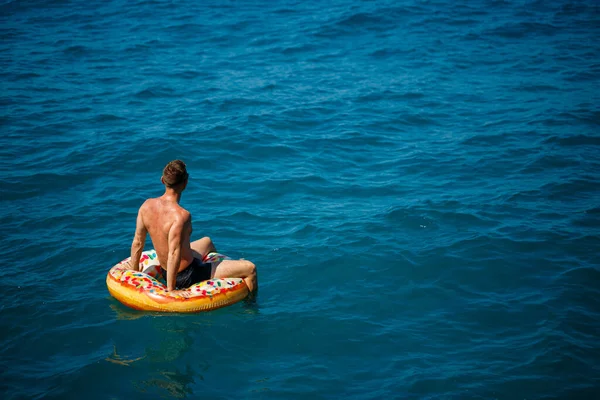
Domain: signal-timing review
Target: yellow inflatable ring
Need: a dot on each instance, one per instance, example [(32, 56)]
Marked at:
[(142, 291)]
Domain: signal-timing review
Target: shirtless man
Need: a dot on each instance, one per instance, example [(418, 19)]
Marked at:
[(170, 228)]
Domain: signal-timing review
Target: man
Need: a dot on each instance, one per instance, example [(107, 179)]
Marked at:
[(170, 228)]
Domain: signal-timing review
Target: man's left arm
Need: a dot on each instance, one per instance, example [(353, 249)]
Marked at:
[(137, 246)]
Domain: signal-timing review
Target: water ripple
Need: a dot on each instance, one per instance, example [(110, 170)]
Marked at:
[(417, 184)]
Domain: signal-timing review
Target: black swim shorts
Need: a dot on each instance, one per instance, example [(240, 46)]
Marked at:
[(194, 273)]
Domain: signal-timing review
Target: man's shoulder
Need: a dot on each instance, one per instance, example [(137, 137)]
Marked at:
[(180, 213), (184, 214), (147, 204), (150, 201), (153, 206), (181, 219)]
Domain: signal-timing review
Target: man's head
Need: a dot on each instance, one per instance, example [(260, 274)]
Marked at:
[(175, 175)]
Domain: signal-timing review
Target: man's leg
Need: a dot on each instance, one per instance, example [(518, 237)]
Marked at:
[(203, 246), (237, 269)]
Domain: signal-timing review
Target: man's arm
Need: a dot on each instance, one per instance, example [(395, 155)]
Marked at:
[(174, 258), (137, 246)]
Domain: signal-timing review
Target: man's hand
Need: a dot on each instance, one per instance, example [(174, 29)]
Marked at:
[(131, 266), (181, 293)]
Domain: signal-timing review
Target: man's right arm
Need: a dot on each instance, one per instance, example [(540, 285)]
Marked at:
[(137, 246)]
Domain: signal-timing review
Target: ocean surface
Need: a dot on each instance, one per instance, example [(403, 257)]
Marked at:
[(418, 183)]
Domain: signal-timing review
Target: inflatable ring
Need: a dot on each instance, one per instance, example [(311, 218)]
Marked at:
[(143, 291)]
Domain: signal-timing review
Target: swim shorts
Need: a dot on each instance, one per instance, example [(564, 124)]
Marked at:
[(194, 273)]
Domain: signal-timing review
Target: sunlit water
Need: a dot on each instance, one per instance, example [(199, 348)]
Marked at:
[(418, 184)]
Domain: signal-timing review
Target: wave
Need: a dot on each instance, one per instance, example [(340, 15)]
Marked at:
[(416, 181), (521, 30), (155, 93), (576, 140)]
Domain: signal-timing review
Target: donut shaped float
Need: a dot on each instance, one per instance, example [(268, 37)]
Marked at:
[(143, 291)]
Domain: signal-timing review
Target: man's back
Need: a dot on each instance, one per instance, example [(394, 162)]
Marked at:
[(158, 216), (170, 227)]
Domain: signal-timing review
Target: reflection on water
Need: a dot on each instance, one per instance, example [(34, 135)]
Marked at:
[(174, 342), (117, 359), (124, 313), (170, 365), (250, 305), (175, 382)]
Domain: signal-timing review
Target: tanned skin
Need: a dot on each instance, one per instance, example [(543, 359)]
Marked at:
[(170, 228)]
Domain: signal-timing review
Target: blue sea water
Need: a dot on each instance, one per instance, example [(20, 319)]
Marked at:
[(417, 183)]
